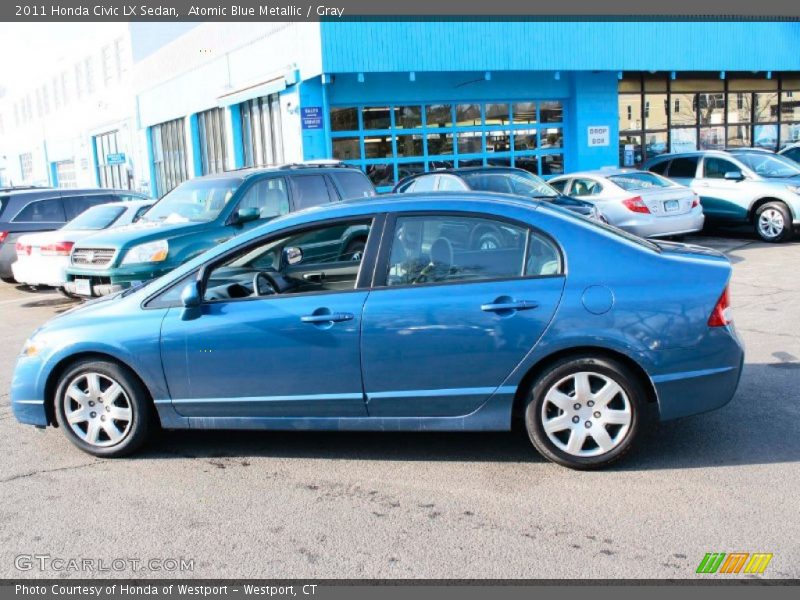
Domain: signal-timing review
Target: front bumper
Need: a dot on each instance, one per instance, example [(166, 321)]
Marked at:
[(27, 396), (661, 226), (102, 282)]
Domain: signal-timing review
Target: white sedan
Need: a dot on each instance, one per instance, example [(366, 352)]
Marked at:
[(640, 202), (42, 258)]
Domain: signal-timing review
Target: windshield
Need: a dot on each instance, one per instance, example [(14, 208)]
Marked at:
[(96, 217), (198, 200), (519, 183), (769, 165), (639, 181)]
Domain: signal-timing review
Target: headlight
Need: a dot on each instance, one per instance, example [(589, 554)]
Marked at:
[(33, 346), (147, 253), (793, 188)]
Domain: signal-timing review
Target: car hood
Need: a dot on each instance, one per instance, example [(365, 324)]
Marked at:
[(140, 233)]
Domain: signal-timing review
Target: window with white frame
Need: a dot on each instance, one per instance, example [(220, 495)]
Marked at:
[(390, 142), (111, 170)]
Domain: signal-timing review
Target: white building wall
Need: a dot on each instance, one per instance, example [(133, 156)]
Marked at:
[(61, 128)]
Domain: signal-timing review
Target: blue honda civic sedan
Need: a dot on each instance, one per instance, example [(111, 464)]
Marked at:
[(564, 324)]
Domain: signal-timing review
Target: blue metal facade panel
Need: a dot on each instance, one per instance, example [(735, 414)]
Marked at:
[(370, 46)]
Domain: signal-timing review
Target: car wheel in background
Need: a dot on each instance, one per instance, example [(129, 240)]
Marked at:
[(583, 413), (67, 294), (8, 279), (773, 222), (102, 408), (354, 250)]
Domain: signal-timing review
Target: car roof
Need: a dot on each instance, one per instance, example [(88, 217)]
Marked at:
[(247, 172), (672, 155), (604, 172), (27, 194)]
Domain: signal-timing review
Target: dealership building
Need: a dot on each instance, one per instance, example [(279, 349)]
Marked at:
[(396, 98)]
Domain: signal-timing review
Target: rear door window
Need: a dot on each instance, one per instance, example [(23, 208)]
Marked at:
[(310, 190), (75, 205), (685, 168), (42, 211), (659, 167), (353, 184), (269, 196)]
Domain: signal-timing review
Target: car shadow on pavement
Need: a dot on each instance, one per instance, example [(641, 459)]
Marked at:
[(759, 426)]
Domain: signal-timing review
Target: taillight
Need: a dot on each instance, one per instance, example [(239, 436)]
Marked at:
[(57, 249), (721, 315), (3, 236), (636, 204), (22, 249), (696, 201)]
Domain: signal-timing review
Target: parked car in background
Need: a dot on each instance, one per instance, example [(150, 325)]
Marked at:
[(202, 213), (744, 186), (503, 180), (45, 209), (43, 258), (421, 332), (639, 202), (791, 151)]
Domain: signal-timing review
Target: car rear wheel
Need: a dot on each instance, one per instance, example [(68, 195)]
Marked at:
[(103, 409), (8, 279), (773, 222), (583, 413)]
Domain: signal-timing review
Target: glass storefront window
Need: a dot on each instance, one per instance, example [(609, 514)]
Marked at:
[(551, 111), (406, 169), (408, 117), (765, 136), (656, 143), (766, 107), (470, 142), (376, 117), (497, 114), (377, 146), (499, 161), (683, 140), (630, 150), (439, 115), (712, 138), (790, 133), (344, 119), (529, 163), (381, 174), (655, 111), (552, 137), (525, 112), (409, 145), (468, 115), (348, 148), (740, 105), (630, 111), (552, 164), (739, 136), (683, 109), (525, 139), (790, 106), (711, 108), (440, 143), (498, 141)]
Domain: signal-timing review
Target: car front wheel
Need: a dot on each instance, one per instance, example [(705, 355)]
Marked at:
[(583, 413), (773, 222), (102, 408)]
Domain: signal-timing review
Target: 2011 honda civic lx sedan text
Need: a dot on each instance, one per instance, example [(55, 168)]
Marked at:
[(568, 325)]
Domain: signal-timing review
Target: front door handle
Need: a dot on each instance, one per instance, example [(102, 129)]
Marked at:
[(503, 306), (327, 317)]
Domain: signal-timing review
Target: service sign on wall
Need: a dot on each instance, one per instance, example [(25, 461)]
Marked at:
[(599, 135), (311, 117)]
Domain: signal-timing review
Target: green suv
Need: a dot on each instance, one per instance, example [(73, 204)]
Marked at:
[(203, 212)]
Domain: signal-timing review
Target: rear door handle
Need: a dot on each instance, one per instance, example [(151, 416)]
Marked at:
[(509, 306), (337, 317)]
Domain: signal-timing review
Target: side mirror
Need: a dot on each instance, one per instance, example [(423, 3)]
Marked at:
[(292, 255), (245, 215), (191, 300), (734, 176)]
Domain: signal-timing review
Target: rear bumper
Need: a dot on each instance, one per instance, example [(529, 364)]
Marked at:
[(8, 254), (706, 387), (41, 271), (652, 226)]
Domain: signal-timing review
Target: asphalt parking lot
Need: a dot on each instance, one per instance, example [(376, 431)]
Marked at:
[(313, 505)]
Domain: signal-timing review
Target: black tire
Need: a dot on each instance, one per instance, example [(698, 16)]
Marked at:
[(354, 250), (767, 219), (141, 408), (8, 279), (622, 436), (66, 294)]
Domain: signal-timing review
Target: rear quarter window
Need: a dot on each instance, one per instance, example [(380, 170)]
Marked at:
[(353, 184), (684, 167), (42, 211)]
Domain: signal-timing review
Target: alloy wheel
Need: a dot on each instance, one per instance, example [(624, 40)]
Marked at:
[(586, 414), (97, 409), (771, 223)]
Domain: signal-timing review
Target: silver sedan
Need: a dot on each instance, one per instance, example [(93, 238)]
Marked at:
[(640, 202)]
